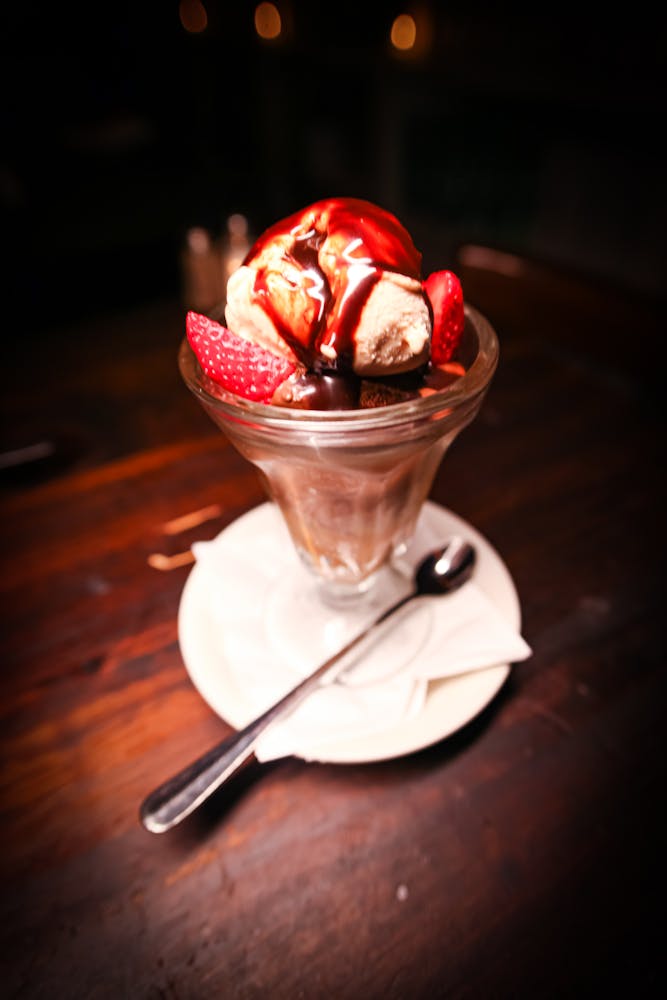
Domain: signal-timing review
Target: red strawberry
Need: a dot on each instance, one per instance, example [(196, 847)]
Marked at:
[(236, 364), (444, 291)]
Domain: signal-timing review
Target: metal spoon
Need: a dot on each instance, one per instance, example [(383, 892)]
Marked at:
[(440, 572)]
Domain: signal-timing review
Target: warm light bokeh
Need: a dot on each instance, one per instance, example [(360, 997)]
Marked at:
[(403, 32), (193, 16), (268, 23)]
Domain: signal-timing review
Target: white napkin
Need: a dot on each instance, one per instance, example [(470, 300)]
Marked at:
[(384, 684)]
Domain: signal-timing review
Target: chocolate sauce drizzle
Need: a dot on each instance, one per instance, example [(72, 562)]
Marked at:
[(369, 241)]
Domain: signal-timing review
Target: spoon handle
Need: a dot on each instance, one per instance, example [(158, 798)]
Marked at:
[(179, 796)]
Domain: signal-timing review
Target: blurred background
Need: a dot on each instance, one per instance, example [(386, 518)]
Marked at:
[(129, 125)]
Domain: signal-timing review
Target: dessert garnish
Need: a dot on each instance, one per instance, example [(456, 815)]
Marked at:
[(242, 367)]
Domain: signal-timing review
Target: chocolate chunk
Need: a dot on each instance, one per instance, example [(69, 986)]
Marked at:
[(374, 393)]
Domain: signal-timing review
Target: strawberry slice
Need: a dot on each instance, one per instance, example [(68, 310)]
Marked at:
[(445, 294), (236, 364)]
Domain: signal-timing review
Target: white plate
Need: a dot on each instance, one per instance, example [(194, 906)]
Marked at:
[(450, 703)]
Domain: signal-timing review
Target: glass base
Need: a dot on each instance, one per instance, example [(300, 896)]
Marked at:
[(305, 624)]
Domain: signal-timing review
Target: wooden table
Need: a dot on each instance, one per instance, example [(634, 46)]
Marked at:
[(522, 857)]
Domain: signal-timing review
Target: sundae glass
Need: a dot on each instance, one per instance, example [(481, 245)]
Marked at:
[(350, 483)]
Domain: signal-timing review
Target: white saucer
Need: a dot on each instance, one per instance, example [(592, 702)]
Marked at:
[(450, 703)]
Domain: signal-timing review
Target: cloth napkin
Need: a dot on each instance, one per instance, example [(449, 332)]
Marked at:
[(385, 683)]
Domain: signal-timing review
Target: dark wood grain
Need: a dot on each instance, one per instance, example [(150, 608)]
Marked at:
[(522, 857)]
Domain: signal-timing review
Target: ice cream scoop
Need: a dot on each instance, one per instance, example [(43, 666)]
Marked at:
[(336, 286)]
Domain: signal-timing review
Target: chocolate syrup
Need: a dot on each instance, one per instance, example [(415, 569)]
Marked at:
[(364, 241), (346, 391), (325, 391)]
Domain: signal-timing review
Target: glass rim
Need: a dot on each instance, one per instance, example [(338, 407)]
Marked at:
[(468, 386)]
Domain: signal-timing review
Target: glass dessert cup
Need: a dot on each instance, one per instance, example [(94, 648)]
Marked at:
[(350, 484)]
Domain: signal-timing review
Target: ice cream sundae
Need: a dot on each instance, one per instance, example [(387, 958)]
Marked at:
[(343, 376)]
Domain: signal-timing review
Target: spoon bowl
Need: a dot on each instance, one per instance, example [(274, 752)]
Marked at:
[(446, 569)]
